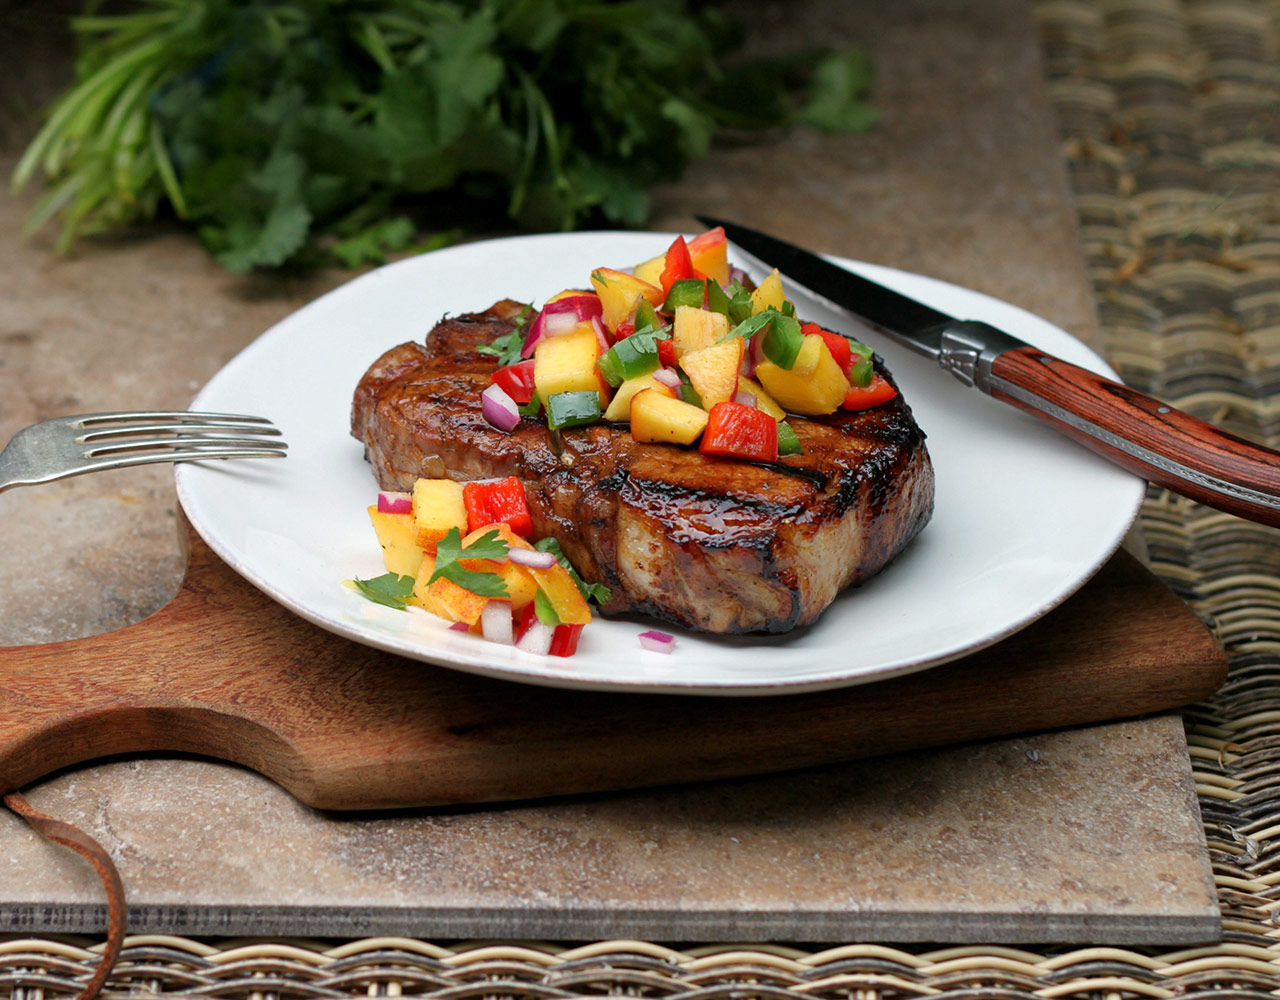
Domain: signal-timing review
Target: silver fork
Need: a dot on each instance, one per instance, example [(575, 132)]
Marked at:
[(68, 446)]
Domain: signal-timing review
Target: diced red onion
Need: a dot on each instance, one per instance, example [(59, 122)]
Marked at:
[(559, 317), (737, 274), (657, 642), (745, 398), (459, 627), (394, 503), (499, 408), (668, 377), (602, 335), (530, 557), (536, 638), (495, 622)]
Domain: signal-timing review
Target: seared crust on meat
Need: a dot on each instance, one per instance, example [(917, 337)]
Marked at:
[(708, 543)]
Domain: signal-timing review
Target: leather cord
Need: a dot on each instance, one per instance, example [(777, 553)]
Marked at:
[(77, 840)]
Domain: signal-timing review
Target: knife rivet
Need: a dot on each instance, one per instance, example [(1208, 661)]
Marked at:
[(1162, 409), (1046, 360)]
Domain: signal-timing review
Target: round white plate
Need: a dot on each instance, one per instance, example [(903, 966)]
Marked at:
[(1023, 516)]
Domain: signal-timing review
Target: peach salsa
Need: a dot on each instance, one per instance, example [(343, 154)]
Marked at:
[(683, 350)]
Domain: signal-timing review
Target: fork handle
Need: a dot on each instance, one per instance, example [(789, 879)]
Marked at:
[(1152, 439)]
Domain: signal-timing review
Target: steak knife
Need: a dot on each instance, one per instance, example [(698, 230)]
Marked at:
[(1152, 439)]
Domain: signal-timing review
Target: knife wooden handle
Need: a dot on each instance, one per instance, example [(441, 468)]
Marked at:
[(1158, 442)]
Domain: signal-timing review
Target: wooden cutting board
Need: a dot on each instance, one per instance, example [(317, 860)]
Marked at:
[(224, 671)]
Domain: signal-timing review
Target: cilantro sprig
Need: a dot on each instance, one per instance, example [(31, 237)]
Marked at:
[(390, 589), (291, 132), (507, 347), (450, 549)]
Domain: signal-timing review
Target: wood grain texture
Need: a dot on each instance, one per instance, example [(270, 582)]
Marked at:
[(1188, 455), (225, 672)]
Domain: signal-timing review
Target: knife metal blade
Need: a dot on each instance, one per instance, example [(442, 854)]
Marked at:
[(1158, 442)]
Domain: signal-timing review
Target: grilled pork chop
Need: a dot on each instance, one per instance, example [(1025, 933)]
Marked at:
[(708, 543)]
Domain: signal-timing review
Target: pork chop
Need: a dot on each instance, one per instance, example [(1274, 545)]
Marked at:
[(713, 544)]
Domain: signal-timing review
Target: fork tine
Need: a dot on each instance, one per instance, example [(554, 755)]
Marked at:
[(180, 416), (179, 430), (192, 442), (105, 462)]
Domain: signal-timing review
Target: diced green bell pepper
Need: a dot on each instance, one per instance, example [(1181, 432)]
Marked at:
[(788, 443), (861, 368), (572, 409), (686, 292), (783, 341), (629, 358)]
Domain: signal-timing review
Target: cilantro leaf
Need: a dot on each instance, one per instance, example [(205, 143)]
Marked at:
[(296, 133), (390, 589), (597, 592), (751, 326), (488, 546), (507, 347)]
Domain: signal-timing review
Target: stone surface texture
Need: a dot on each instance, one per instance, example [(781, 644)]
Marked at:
[(1055, 837)]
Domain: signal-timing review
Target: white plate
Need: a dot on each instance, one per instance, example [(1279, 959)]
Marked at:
[(1023, 516)]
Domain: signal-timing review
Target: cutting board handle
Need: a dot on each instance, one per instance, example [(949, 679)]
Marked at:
[(223, 671)]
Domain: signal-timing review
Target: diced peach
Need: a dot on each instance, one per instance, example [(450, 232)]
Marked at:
[(567, 363), (658, 417), (504, 532), (437, 507), (696, 328), (713, 371), (457, 603), (651, 269), (564, 595), (421, 595), (620, 407), (763, 400), (768, 294), (814, 385), (619, 292), (398, 537), (568, 293), (710, 254), (521, 585)]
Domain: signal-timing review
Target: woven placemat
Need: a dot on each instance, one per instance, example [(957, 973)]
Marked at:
[(1170, 118)]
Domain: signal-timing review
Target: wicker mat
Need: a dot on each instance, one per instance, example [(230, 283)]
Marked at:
[(1170, 115)]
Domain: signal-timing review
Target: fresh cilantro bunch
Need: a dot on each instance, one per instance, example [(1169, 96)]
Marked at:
[(309, 131)]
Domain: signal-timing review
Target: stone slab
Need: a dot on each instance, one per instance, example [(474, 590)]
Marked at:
[(1075, 836), (1089, 835)]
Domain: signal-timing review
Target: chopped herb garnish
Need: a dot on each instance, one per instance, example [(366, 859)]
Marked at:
[(507, 348), (739, 303), (752, 325), (390, 589), (488, 546), (597, 592)]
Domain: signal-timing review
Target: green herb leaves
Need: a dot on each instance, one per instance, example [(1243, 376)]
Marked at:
[(389, 589), (488, 546), (300, 132)]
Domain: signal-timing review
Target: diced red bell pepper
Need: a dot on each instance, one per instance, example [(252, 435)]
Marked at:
[(625, 329), (667, 353), (500, 501), (516, 381), (836, 344), (564, 640), (679, 266), (864, 397), (735, 430)]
